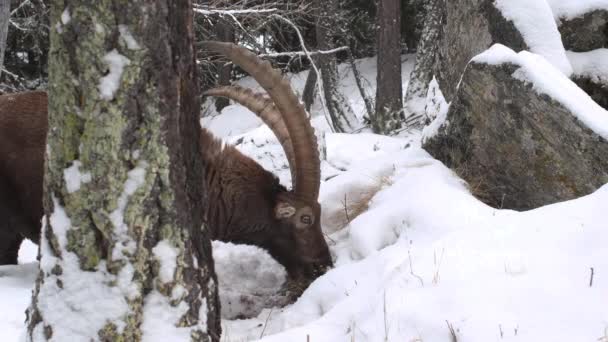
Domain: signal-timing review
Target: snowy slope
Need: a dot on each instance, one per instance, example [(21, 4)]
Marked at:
[(425, 256), (417, 257)]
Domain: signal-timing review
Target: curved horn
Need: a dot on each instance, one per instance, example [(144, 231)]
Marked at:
[(308, 172), (265, 109)]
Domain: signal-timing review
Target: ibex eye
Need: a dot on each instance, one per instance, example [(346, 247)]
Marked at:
[(306, 219)]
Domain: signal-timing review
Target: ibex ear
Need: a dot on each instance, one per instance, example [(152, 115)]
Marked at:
[(284, 210)]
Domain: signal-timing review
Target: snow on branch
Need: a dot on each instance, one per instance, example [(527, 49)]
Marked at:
[(233, 12), (303, 53)]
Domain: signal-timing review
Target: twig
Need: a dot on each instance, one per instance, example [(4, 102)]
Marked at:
[(266, 322), (412, 269), (15, 76), (591, 277), (26, 2), (385, 322), (438, 264), (452, 332), (346, 210)]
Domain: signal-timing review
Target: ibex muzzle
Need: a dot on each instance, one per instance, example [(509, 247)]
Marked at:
[(246, 204)]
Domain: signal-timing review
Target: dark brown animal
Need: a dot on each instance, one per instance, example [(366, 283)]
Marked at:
[(246, 204), (23, 125)]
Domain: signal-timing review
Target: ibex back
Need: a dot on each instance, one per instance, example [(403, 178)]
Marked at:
[(246, 204)]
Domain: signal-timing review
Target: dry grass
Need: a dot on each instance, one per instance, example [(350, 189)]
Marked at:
[(357, 203)]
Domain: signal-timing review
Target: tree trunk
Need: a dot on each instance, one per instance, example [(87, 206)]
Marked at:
[(310, 87), (369, 102), (389, 105), (5, 15), (421, 76), (224, 33), (341, 114), (122, 253)]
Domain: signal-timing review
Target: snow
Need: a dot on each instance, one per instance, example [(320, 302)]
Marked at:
[(86, 302), (591, 64), (546, 79), (570, 9), (128, 38), (417, 257), (135, 179), (249, 279), (74, 178), (167, 256), (436, 109), (160, 319), (427, 252), (109, 83), (534, 19), (65, 16)]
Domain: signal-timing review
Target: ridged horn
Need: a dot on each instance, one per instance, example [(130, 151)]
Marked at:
[(265, 109), (308, 172)]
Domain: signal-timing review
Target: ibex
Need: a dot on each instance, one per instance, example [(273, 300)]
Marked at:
[(246, 203)]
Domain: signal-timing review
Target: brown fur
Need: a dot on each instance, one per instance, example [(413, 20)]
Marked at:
[(242, 197), (23, 125), (241, 201)]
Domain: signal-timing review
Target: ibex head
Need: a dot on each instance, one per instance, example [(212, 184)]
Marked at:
[(297, 240)]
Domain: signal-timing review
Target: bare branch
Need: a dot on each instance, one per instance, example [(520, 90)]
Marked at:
[(303, 53), (233, 12), (312, 63)]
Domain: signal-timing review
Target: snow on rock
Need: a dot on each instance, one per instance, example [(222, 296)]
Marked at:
[(436, 109), (591, 64), (570, 9), (546, 79), (534, 19), (109, 84), (74, 178)]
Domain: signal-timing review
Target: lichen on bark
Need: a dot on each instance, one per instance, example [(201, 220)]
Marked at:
[(128, 142)]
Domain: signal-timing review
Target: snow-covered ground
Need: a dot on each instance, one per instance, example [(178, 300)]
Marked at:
[(417, 257)]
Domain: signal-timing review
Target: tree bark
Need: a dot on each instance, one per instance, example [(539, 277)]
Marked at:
[(421, 76), (310, 87), (369, 102), (389, 104), (5, 16), (122, 253), (224, 33), (342, 116)]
